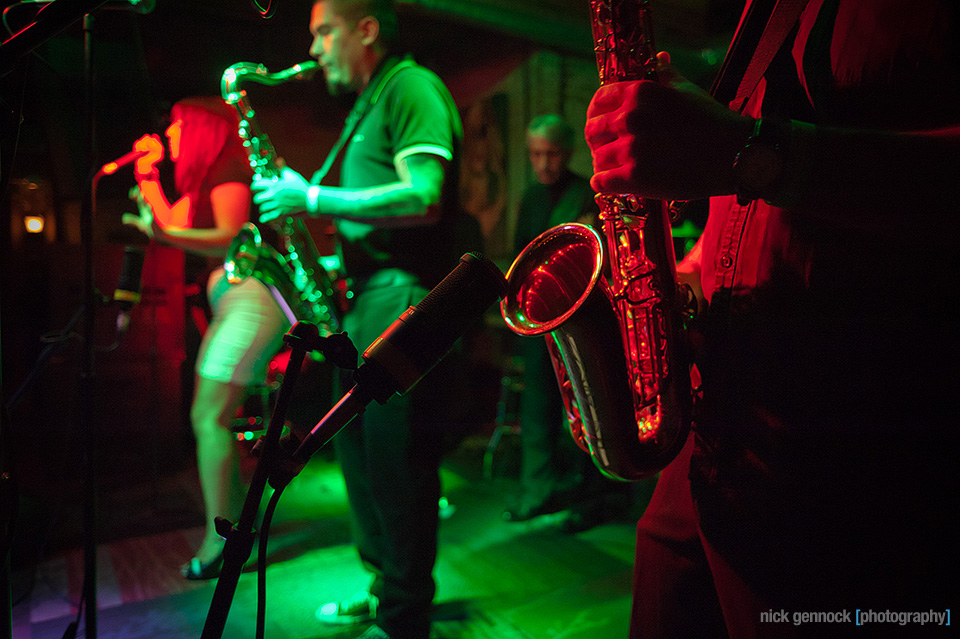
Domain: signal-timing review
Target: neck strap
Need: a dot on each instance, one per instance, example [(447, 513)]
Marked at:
[(761, 33)]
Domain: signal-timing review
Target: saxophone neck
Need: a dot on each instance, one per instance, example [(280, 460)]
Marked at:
[(241, 72), (258, 146)]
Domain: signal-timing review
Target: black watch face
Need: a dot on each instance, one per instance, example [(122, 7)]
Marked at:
[(760, 166)]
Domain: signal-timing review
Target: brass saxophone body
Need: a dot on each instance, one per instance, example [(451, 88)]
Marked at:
[(293, 269), (616, 345)]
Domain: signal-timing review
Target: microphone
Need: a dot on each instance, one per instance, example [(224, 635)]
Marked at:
[(127, 292), (111, 167), (410, 347), (425, 333)]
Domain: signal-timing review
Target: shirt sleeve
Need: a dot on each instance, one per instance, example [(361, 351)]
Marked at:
[(424, 116)]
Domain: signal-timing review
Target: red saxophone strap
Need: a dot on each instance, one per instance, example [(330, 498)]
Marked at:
[(761, 33)]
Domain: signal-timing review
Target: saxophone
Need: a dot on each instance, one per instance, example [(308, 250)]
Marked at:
[(303, 287), (615, 345)]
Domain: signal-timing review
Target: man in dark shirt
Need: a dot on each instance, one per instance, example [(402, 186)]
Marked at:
[(554, 473), (559, 195), (394, 210), (820, 475)]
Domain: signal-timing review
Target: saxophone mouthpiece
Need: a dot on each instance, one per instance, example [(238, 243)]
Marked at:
[(307, 69)]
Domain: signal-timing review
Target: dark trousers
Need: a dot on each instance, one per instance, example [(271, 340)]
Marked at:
[(390, 458), (551, 461), (686, 585), (674, 596), (821, 477)]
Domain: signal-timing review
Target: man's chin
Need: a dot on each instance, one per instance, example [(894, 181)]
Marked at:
[(334, 85), (337, 88)]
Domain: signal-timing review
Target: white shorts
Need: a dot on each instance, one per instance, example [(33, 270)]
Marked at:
[(246, 332)]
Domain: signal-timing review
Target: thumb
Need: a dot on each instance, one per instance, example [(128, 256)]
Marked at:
[(668, 75), (665, 71), (289, 175)]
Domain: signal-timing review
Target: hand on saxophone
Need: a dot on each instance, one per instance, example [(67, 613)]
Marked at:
[(284, 196), (146, 166), (666, 139)]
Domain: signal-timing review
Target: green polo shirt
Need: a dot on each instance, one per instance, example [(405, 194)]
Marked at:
[(412, 112)]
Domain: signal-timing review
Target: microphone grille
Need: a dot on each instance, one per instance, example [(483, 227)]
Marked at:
[(465, 293)]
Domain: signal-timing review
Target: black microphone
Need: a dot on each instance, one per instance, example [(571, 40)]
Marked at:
[(425, 333), (411, 346), (127, 292)]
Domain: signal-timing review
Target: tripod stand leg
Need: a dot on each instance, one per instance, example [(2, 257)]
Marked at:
[(240, 538)]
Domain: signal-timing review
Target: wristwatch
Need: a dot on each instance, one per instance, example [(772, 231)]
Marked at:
[(758, 167)]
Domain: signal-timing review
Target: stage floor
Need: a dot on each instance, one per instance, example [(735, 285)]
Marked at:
[(495, 580)]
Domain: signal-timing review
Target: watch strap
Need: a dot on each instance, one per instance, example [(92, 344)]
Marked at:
[(768, 132)]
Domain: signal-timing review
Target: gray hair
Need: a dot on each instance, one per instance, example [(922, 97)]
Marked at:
[(553, 128)]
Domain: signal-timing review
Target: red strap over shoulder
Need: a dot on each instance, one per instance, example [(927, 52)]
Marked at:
[(762, 31)]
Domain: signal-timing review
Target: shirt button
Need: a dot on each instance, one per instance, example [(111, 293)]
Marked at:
[(726, 261)]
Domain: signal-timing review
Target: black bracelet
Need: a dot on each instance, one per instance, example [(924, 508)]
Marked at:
[(758, 167)]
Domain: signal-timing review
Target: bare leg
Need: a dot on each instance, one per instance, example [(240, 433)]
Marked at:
[(214, 406)]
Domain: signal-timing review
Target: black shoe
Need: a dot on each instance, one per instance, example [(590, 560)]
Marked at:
[(196, 570), (361, 608)]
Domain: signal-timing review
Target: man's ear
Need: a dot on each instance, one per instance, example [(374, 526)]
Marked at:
[(369, 28)]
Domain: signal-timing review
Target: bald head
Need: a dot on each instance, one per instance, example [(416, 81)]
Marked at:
[(382, 10)]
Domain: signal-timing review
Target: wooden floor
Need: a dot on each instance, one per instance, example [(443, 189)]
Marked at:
[(495, 580)]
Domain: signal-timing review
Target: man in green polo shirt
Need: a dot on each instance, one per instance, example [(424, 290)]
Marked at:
[(395, 211)]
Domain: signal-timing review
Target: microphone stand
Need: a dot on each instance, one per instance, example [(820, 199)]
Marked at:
[(8, 506), (393, 364), (302, 338), (88, 597), (54, 17), (58, 16)]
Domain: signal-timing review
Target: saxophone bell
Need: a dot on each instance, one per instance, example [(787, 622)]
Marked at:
[(618, 350), (250, 256), (555, 288)]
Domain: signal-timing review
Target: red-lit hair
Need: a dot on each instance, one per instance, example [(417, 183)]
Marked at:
[(209, 130)]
